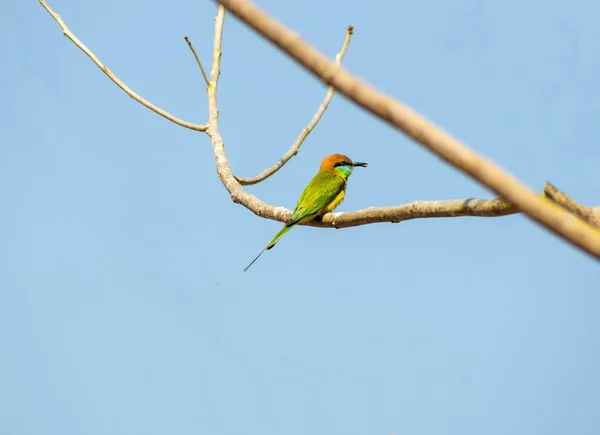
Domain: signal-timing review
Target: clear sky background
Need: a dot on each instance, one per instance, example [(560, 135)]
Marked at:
[(123, 305)]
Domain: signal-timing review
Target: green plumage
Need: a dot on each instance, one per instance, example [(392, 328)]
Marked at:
[(322, 190), (323, 194)]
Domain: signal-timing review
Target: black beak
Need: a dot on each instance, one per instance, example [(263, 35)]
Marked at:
[(363, 164)]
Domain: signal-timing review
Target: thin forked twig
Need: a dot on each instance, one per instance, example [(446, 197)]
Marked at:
[(416, 126), (197, 60), (67, 32), (306, 131)]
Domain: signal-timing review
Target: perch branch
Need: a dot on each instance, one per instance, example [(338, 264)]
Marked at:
[(306, 131), (113, 77), (439, 142), (421, 209), (189, 43), (587, 214)]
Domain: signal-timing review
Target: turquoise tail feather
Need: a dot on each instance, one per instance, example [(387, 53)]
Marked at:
[(248, 267)]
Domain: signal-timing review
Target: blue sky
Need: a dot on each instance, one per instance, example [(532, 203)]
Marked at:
[(123, 307)]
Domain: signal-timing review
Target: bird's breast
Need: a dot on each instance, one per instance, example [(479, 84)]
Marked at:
[(336, 201)]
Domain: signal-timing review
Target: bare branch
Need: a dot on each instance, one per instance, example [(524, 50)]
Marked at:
[(114, 78), (422, 209), (306, 131), (468, 207), (396, 214), (421, 130), (588, 214), (418, 209), (189, 43), (223, 167), (414, 210)]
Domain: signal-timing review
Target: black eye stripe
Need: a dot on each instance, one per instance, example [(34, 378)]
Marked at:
[(342, 164)]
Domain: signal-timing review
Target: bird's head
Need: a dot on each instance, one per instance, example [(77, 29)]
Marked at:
[(340, 164)]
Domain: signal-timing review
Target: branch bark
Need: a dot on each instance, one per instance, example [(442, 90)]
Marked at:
[(198, 61), (551, 216), (394, 214)]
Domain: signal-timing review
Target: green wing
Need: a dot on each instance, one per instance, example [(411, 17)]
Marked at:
[(319, 193)]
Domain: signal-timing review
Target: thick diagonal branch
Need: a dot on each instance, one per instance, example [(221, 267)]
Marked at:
[(421, 130)]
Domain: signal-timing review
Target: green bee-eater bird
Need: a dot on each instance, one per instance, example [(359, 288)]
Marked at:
[(323, 194)]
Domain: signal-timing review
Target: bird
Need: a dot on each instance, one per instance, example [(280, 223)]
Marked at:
[(322, 195)]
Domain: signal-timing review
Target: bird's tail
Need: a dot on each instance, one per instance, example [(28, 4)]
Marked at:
[(252, 262), (272, 243), (279, 235)]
